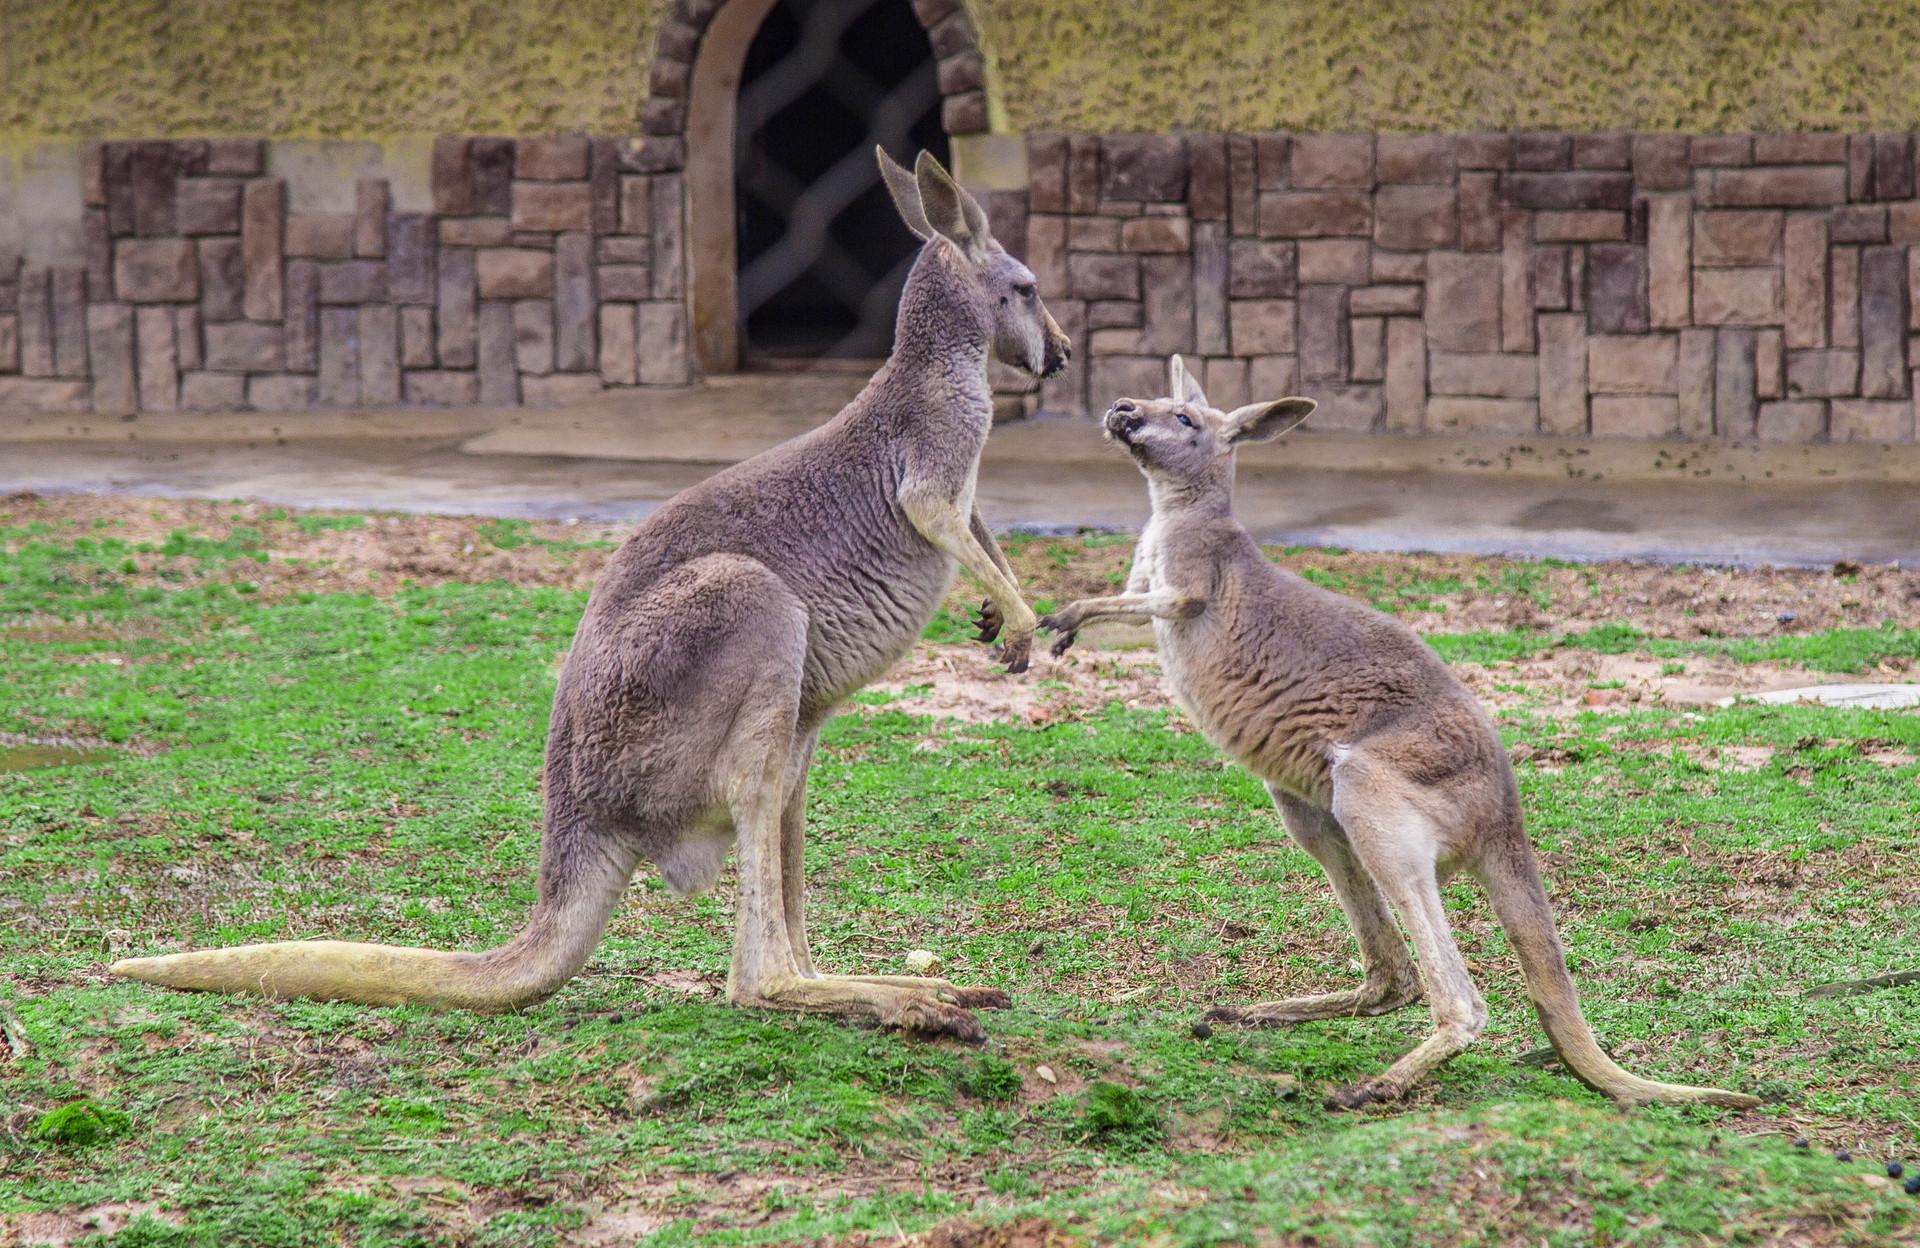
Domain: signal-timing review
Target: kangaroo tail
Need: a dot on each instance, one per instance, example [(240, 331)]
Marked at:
[(577, 895), (1520, 901)]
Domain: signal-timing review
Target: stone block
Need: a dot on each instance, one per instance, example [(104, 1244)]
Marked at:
[(452, 177), (1635, 416), (1720, 149), (1207, 194), (1859, 223), (1321, 334), (1853, 420), (282, 392), (1416, 218), (1334, 261), (1368, 334), (320, 235), (1778, 186), (1843, 307), (1397, 300), (1417, 158), (669, 263), (1093, 234), (1563, 374), (1463, 302), (1114, 314), (1800, 149), (965, 113), (1262, 326), (1607, 150), (552, 206), (353, 281), (1495, 376), (441, 389), (1083, 174), (1633, 364), (1271, 152), (1331, 160), (117, 174), (379, 355), (1693, 381), (69, 302), (1350, 408), (160, 270), (1157, 234), (154, 174), (263, 213), (1883, 323), (1567, 191), (372, 200), (554, 159), (1823, 373), (208, 206), (492, 162), (1149, 167), (1516, 283), (1660, 162), (1542, 150), (1115, 342), (1316, 214), (244, 347), (1451, 414), (1734, 239), (556, 389), (1047, 172), (1479, 212), (1047, 254), (223, 279), (1243, 185), (98, 240), (1393, 266), (533, 336), (1735, 384), (1805, 280), (303, 316), (9, 342), (625, 283), (110, 356), (623, 250), (476, 232), (186, 336), (1224, 380), (245, 157), (499, 378), (1903, 222), (1892, 166), (1405, 392), (23, 394), (1167, 304), (1098, 276), (1212, 282), (1769, 364), (1272, 376), (1669, 261), (1616, 288), (213, 392), (416, 337), (339, 358), (514, 273), (458, 308), (662, 345), (1792, 420), (604, 178), (1596, 226), (36, 322), (1067, 392), (1738, 297), (574, 348), (410, 253)]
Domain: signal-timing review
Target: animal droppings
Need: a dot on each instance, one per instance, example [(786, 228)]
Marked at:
[(1843, 1155), (1200, 1029), (1800, 1141), (1895, 1170), (1912, 1186)]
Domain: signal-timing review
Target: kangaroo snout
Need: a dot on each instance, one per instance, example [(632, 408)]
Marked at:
[(1058, 351), (1123, 420)]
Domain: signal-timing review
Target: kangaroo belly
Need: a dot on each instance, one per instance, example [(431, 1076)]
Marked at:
[(1257, 718), (855, 636)]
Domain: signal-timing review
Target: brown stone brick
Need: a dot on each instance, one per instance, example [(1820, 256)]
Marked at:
[(1351, 408), (514, 273), (552, 206), (208, 206), (69, 302), (1853, 420), (1450, 414), (156, 270), (1590, 226), (223, 279), (1883, 322), (1550, 278), (625, 283), (555, 159), (1860, 166), (1150, 167), (372, 199), (282, 392), (1693, 379), (1736, 239), (1339, 261), (1913, 288), (1328, 160), (1769, 364), (1315, 214), (416, 337), (379, 355), (1823, 374), (1211, 283), (636, 205), (1393, 266), (1243, 185), (1479, 212), (1226, 382), (20, 394), (1272, 376), (1843, 277), (441, 389), (626, 250), (1608, 150), (476, 232), (1516, 284), (1207, 196), (1567, 191), (213, 392), (1542, 150), (492, 161), (1792, 420), (110, 359), (1396, 300), (1859, 223), (99, 245), (669, 263), (320, 235), (1669, 261), (1493, 375), (1660, 162), (1805, 279), (1800, 149), (1047, 171), (1097, 276), (458, 308), (499, 379), (1416, 218), (1083, 174), (1405, 392), (1616, 288), (117, 172), (558, 389), (1167, 304), (1735, 387), (1635, 416), (1117, 341), (353, 281), (1780, 186), (186, 336), (303, 316), (1263, 326), (1463, 302), (245, 157), (574, 348), (1892, 166), (1157, 234), (36, 322), (1563, 374), (1321, 334), (1903, 222), (663, 345), (410, 253), (1483, 150), (604, 180), (1271, 153), (157, 361), (1424, 158), (1114, 314), (153, 173), (244, 347), (339, 358), (452, 177), (1047, 254), (1720, 149), (1738, 297), (1633, 363), (1368, 334)]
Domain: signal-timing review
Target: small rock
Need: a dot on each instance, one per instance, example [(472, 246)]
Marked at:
[(1046, 1074), (1037, 948), (1912, 1186), (1895, 1169), (1786, 617), (1845, 567), (1800, 1141), (1843, 1155), (922, 961), (1200, 1029)]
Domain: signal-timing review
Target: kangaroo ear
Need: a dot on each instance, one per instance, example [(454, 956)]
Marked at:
[(1181, 387), (905, 192), (1263, 422), (951, 212)]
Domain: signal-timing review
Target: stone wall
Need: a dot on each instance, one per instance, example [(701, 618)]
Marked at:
[(546, 269), (1606, 284)]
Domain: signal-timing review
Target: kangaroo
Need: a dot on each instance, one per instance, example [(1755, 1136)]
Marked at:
[(719, 638), (1384, 767)]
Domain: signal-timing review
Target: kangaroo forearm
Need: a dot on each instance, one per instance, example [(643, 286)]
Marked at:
[(1163, 604), (946, 528), (983, 535)]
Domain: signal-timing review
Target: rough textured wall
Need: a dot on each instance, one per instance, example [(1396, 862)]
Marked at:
[(153, 68), (307, 68)]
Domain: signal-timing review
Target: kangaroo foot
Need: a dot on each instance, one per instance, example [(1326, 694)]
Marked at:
[(969, 998), (1360, 1095), (1365, 1001), (904, 1007), (924, 1015)]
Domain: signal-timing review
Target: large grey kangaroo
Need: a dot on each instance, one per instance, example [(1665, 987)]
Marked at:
[(726, 629), (1384, 767)]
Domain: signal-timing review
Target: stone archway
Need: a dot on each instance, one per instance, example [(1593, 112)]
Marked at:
[(689, 120)]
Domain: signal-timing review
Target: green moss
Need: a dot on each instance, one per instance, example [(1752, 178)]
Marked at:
[(81, 1125)]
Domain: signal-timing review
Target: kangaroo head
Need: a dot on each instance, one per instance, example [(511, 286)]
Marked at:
[(992, 286), (1185, 439)]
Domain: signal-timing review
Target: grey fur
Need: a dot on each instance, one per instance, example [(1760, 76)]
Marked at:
[(720, 637), (1383, 766)]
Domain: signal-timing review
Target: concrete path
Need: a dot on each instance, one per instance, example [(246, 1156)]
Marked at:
[(618, 456)]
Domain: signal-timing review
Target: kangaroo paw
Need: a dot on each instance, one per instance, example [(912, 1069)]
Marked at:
[(923, 1015), (987, 619), (979, 998)]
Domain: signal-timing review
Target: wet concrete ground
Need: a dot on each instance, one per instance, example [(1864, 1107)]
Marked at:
[(619, 456)]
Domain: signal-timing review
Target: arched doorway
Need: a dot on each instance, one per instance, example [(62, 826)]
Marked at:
[(723, 98), (822, 254)]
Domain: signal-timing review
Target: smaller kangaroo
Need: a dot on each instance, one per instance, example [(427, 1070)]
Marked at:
[(1384, 767)]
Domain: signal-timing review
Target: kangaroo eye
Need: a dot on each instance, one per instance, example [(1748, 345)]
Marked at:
[(1024, 291), (1183, 419)]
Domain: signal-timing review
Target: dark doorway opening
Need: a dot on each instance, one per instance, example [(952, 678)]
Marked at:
[(823, 254)]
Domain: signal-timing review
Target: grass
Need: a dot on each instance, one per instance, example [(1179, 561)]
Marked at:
[(345, 764)]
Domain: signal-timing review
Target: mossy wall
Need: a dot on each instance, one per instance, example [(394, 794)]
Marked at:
[(370, 68)]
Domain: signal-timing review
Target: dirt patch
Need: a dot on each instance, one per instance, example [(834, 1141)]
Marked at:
[(57, 1230), (1023, 1233), (953, 682)]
